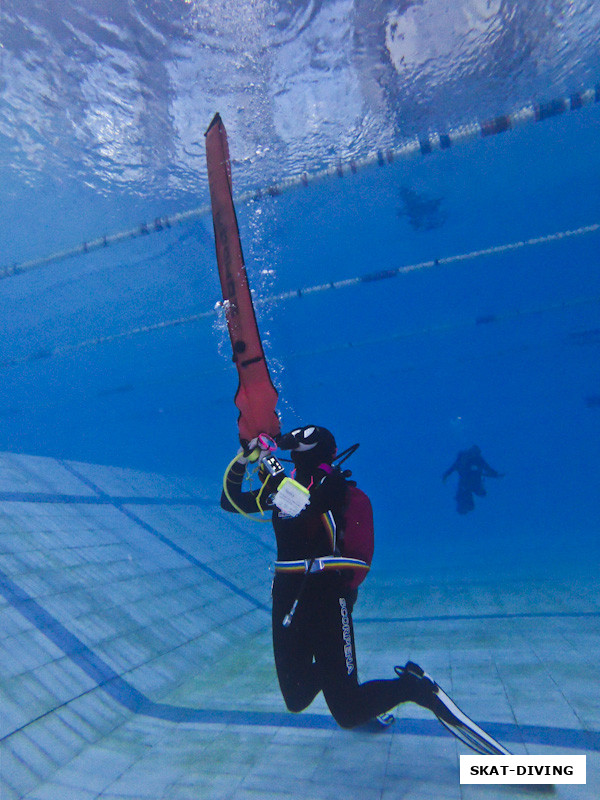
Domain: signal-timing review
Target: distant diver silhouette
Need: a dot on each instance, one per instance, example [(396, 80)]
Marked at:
[(472, 469)]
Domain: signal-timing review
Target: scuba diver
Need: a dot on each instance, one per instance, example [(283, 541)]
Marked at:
[(324, 533), (471, 468)]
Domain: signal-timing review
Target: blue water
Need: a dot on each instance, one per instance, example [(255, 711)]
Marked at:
[(500, 350)]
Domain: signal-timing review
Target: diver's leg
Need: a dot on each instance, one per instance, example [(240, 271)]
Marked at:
[(479, 488), (350, 702), (297, 673), (464, 501)]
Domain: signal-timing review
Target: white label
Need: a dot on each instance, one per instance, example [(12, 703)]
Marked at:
[(291, 497), (522, 769)]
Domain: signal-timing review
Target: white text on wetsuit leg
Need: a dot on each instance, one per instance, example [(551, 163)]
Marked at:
[(347, 636)]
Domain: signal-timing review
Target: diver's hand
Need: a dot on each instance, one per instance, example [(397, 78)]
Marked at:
[(254, 450)]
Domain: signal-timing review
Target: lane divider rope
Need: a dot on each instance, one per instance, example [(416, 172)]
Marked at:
[(323, 287), (419, 145)]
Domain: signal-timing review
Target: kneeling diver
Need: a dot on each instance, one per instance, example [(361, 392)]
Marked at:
[(322, 557)]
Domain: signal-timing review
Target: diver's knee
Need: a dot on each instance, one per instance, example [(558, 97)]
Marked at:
[(345, 721), (343, 715), (295, 704)]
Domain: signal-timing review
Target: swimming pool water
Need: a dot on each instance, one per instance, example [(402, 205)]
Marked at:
[(116, 359)]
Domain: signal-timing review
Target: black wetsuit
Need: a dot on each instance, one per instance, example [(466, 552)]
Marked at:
[(316, 651), (471, 468)]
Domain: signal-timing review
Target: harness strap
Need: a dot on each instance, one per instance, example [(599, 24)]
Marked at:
[(319, 564)]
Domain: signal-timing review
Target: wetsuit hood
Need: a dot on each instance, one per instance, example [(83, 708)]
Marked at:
[(310, 446)]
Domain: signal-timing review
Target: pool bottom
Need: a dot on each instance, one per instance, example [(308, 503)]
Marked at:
[(136, 656)]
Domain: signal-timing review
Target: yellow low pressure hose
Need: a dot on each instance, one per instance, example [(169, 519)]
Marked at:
[(234, 504)]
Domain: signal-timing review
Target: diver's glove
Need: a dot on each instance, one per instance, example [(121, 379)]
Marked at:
[(256, 449)]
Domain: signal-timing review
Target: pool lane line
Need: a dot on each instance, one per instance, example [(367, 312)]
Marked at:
[(473, 617), (124, 693), (86, 499), (117, 502), (165, 539)]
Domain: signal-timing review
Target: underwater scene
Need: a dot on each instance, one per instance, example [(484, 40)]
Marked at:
[(416, 187)]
